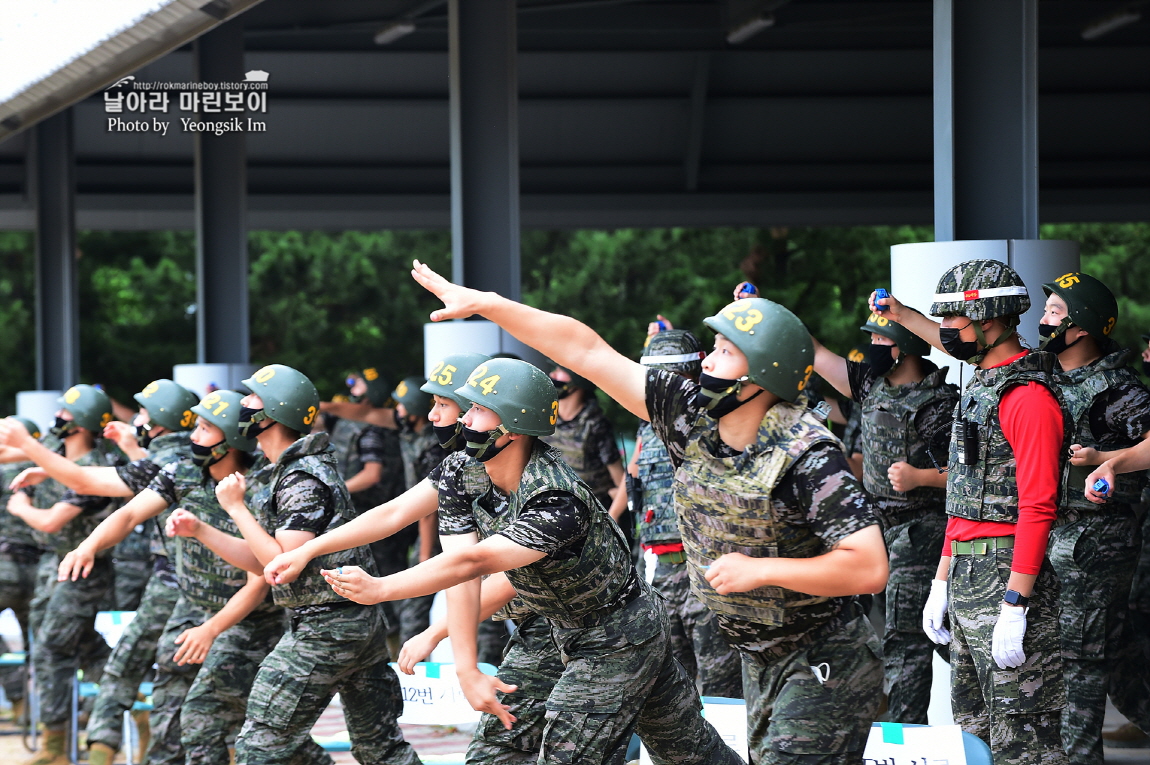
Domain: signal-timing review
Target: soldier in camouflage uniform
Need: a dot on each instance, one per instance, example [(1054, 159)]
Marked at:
[(160, 436), (370, 462), (570, 563), (331, 646), (1002, 491), (906, 407), (67, 630), (696, 640), (19, 557), (811, 671), (1094, 548)]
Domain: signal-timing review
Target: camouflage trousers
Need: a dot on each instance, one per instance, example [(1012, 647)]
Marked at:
[(46, 570), (695, 638), (532, 664), (17, 583), (793, 717), (67, 641), (1016, 711), (1130, 672), (343, 650), (1094, 559), (172, 684), (619, 678), (131, 578), (216, 705), (493, 639), (913, 549), (130, 663)]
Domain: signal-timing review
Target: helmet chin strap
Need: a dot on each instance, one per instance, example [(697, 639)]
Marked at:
[(1010, 323)]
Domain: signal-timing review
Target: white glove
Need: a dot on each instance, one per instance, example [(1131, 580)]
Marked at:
[(934, 612), (1006, 646)]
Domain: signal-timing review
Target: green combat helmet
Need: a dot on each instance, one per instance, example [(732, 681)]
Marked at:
[(520, 393), (908, 342), (449, 373), (90, 407), (30, 426), (1089, 304), (378, 389), (675, 350), (289, 397), (410, 393), (578, 382), (222, 409), (780, 356), (169, 404), (980, 290)]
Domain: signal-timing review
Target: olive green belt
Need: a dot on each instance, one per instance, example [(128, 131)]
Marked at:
[(981, 546), (673, 557)]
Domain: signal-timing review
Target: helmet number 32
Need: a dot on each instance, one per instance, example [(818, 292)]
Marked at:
[(742, 315)]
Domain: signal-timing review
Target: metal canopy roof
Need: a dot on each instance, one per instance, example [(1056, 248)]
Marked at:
[(632, 113)]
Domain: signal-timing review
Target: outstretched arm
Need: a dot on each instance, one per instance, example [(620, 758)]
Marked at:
[(567, 341), (361, 412), (111, 531), (832, 368), (922, 326), (50, 520), (234, 550), (89, 480)]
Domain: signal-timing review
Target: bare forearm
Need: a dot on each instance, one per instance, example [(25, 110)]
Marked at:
[(942, 573), (263, 545), (462, 622), (379, 522), (55, 465), (429, 577), (618, 503), (115, 528), (832, 368), (835, 574), (1022, 583), (365, 478), (1132, 459), (428, 533), (923, 327), (239, 606), (931, 478), (234, 550)]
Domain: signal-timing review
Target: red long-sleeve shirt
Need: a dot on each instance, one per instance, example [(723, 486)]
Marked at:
[(1032, 423)]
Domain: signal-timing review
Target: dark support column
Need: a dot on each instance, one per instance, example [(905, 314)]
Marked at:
[(222, 334), (985, 119), (484, 145), (57, 304)]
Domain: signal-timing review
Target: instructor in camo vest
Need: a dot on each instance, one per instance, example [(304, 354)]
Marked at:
[(906, 411), (1001, 496)]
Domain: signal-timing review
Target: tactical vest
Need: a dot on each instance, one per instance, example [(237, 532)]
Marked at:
[(165, 449), (566, 590), (889, 435), (658, 478), (104, 454), (13, 530), (412, 445), (311, 454), (1079, 388), (724, 506), (987, 489), (205, 579), (570, 438), (345, 437)]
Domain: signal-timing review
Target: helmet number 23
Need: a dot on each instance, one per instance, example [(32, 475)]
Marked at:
[(743, 316), (486, 385)]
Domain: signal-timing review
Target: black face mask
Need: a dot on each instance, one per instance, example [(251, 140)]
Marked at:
[(481, 443), (563, 389), (959, 349), (719, 396), (205, 456), (63, 428), (448, 436), (881, 360), (1146, 368), (144, 435), (1054, 338), (249, 427)]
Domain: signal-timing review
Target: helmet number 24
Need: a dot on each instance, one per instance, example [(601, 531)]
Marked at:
[(486, 385)]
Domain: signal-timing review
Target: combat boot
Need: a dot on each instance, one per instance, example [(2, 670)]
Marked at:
[(101, 754), (53, 751), (1129, 736), (144, 726)]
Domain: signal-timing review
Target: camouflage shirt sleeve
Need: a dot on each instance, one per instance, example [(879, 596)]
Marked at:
[(303, 503), (671, 405), (166, 485), (455, 516), (1121, 414), (88, 504), (428, 460), (371, 445), (554, 522), (821, 491), (137, 474), (861, 378)]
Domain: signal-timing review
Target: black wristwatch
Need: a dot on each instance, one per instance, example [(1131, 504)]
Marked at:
[(1016, 598)]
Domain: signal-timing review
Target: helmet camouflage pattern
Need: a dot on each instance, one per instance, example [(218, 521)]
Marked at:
[(169, 404), (1089, 303), (520, 393), (289, 396), (90, 407), (907, 341), (780, 356), (449, 373), (675, 350), (979, 290)]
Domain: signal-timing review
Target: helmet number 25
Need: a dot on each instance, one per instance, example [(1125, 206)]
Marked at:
[(742, 315), (442, 373)]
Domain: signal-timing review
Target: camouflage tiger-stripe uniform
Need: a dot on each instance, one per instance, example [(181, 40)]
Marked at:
[(696, 640), (1094, 549), (1130, 691), (902, 423), (67, 633), (19, 556), (1016, 711), (610, 628), (421, 454), (789, 494), (332, 645)]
